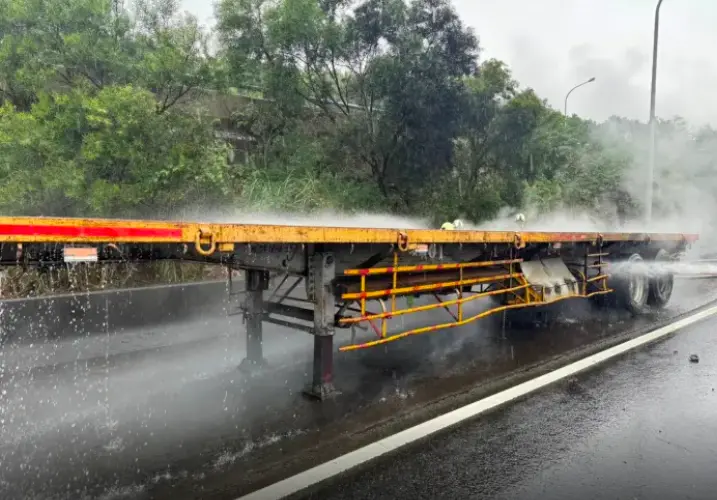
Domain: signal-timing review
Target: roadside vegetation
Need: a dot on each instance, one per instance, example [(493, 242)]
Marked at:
[(111, 108)]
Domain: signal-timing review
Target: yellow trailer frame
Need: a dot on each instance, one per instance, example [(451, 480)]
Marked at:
[(344, 267)]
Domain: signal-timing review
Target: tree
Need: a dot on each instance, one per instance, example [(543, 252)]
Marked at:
[(386, 74), (106, 154), (50, 45), (90, 122), (339, 103), (492, 154), (174, 55)]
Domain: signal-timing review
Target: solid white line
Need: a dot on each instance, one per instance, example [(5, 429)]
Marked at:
[(362, 455)]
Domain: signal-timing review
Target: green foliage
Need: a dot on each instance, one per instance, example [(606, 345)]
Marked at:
[(89, 123), (384, 73), (347, 105), (104, 154)]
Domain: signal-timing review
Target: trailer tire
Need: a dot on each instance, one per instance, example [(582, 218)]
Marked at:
[(661, 283), (631, 284)]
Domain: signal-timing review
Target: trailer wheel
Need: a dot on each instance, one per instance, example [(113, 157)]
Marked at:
[(630, 280), (661, 283)]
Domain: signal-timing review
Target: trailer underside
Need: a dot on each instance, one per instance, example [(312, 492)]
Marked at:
[(353, 277)]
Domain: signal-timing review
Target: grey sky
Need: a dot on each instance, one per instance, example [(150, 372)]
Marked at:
[(552, 45)]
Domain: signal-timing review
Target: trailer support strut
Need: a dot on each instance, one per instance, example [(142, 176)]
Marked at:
[(257, 282), (322, 269)]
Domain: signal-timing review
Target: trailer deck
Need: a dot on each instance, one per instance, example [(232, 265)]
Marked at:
[(73, 230), (344, 269)]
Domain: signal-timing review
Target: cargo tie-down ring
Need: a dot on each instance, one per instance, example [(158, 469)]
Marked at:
[(518, 240), (203, 234), (402, 241)]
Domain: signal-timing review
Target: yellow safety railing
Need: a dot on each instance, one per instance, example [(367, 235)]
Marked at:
[(519, 294)]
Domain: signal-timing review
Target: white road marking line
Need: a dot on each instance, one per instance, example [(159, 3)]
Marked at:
[(362, 455)]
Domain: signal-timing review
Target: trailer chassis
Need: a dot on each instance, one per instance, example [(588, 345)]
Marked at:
[(345, 271)]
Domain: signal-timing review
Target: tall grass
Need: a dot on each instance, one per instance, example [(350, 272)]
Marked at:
[(303, 189)]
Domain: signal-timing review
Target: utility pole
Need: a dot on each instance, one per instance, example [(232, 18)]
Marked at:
[(653, 123)]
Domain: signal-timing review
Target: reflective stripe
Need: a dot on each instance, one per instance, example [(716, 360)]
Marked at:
[(109, 233)]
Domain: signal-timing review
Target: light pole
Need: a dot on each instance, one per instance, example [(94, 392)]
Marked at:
[(653, 124), (571, 91)]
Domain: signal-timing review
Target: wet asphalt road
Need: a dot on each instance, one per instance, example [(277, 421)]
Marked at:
[(642, 427), (163, 412)]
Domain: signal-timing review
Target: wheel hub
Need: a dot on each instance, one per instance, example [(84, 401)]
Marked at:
[(637, 284)]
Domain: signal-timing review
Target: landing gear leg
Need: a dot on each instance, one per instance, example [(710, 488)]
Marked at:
[(256, 283), (323, 271)]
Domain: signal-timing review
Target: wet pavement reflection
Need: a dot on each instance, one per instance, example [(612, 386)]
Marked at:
[(163, 412)]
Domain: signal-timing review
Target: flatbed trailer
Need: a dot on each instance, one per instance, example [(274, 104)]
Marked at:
[(346, 269)]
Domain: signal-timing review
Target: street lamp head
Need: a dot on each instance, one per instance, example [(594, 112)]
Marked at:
[(592, 79)]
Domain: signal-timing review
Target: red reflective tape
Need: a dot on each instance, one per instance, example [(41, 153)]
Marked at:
[(419, 267), (439, 267), (389, 269), (88, 232), (364, 272)]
